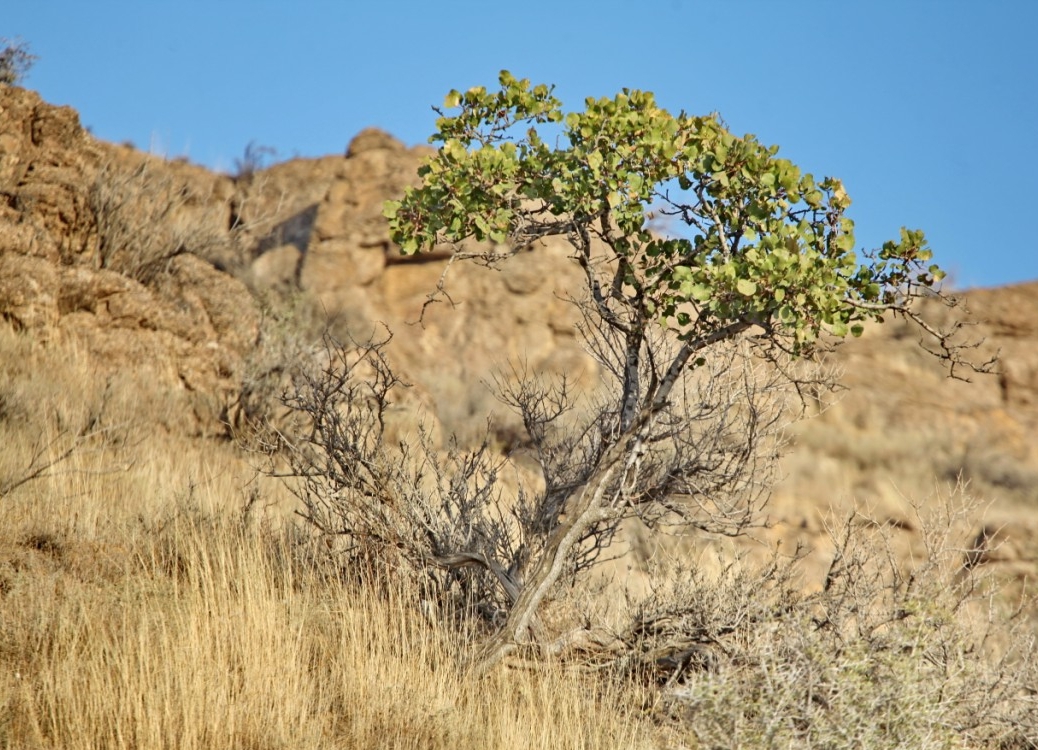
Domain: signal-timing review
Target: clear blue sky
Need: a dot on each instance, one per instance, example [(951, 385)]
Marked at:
[(927, 110)]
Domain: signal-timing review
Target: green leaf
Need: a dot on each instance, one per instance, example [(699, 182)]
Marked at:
[(455, 150), (700, 292), (845, 242), (746, 288)]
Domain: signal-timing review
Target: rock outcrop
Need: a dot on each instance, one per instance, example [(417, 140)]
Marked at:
[(85, 257)]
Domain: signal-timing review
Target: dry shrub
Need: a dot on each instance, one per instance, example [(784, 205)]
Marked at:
[(15, 61), (922, 655), (290, 334), (398, 508), (146, 216), (465, 521)]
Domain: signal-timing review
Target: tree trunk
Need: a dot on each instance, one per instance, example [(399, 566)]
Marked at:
[(587, 507)]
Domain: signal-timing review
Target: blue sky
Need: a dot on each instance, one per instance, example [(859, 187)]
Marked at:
[(927, 110)]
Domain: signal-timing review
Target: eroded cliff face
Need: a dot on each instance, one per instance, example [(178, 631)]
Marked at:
[(130, 293), (161, 272)]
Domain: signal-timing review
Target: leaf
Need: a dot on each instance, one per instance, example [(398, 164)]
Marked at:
[(452, 100), (745, 287), (700, 292), (845, 242), (840, 197), (454, 149)]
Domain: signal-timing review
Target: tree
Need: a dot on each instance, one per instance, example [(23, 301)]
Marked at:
[(15, 61), (709, 335), (766, 266)]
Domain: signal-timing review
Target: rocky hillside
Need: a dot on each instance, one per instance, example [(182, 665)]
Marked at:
[(162, 275)]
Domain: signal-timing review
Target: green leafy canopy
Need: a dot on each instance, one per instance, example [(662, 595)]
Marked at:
[(761, 243)]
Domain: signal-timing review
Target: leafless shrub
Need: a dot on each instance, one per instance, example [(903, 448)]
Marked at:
[(404, 508), (15, 61), (253, 159), (290, 334), (698, 459)]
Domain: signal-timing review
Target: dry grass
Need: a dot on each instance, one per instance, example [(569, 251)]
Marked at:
[(141, 606), (142, 610), (146, 609)]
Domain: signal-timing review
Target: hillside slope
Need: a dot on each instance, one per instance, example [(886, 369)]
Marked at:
[(160, 274)]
